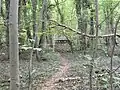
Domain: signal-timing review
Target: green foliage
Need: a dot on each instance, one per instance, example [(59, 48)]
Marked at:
[(22, 37)]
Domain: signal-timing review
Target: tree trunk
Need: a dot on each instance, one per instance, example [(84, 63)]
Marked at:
[(0, 6), (111, 30), (112, 54), (27, 28), (42, 41), (19, 14), (59, 11), (92, 48), (13, 48), (7, 3), (34, 3), (94, 45), (81, 10), (43, 18)]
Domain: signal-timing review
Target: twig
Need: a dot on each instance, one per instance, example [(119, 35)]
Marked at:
[(110, 13), (116, 69), (114, 41), (111, 67)]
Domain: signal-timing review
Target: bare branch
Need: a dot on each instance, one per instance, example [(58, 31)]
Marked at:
[(87, 35)]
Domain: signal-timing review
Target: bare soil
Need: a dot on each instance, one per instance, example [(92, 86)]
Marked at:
[(49, 84)]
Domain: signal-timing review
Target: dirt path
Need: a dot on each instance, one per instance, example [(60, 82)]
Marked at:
[(50, 83)]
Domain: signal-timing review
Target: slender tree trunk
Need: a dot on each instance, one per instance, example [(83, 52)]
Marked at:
[(81, 11), (43, 19), (2, 11), (29, 36), (42, 41), (94, 45), (105, 10), (7, 3), (96, 10), (51, 37), (13, 42), (19, 14), (111, 30), (78, 14), (92, 48), (96, 38), (92, 22), (59, 11), (112, 53), (34, 3), (0, 6)]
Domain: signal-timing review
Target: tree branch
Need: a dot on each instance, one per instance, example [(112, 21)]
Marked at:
[(83, 34)]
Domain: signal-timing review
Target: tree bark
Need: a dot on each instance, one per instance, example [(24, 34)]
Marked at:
[(13, 48), (19, 14), (94, 47), (0, 6), (81, 11), (27, 28), (7, 3), (42, 41), (34, 3)]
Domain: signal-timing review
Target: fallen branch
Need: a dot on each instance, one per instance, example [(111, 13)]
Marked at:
[(83, 34)]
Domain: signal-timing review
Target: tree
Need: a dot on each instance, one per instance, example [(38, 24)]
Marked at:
[(7, 3), (0, 7), (42, 41), (81, 13), (43, 17), (26, 20), (13, 45), (34, 7)]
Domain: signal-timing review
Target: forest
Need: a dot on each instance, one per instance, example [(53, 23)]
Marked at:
[(59, 44)]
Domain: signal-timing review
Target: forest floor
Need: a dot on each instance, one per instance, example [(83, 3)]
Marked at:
[(70, 75), (73, 73), (62, 71)]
